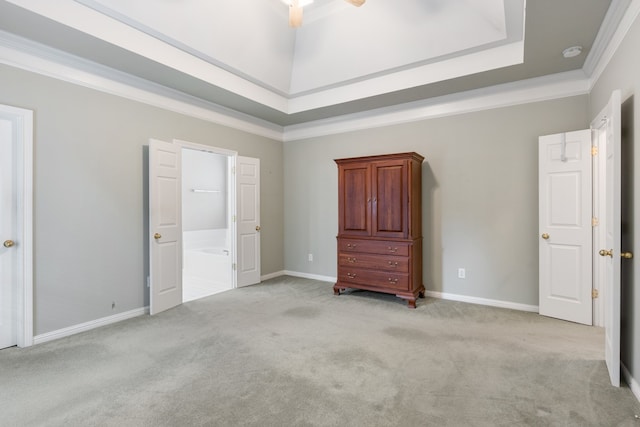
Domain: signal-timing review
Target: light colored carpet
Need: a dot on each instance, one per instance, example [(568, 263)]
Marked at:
[(290, 353)]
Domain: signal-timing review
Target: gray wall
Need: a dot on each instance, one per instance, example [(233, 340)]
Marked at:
[(89, 198), (623, 72), (480, 195)]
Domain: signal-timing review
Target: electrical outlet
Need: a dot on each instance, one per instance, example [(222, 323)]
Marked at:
[(462, 273), (310, 257)]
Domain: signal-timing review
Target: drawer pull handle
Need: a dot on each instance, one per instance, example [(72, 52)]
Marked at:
[(393, 280), (351, 275), (393, 264), (353, 246), (392, 250), (351, 260)]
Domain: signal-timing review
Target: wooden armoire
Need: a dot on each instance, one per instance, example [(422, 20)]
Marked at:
[(380, 225)]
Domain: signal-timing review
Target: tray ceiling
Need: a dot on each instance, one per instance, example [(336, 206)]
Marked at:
[(242, 55)]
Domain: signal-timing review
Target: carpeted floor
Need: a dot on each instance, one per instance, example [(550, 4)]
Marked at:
[(290, 353)]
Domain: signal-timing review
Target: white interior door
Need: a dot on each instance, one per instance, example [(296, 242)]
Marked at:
[(565, 208), (607, 137), (16, 229), (165, 226), (248, 220), (8, 236)]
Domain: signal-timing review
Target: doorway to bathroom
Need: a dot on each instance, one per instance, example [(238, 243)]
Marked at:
[(232, 234), (207, 222)]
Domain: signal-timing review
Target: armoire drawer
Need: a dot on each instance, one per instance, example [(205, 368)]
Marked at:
[(377, 279), (374, 247), (375, 262)]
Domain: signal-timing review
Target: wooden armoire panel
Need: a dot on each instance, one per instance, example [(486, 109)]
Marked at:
[(380, 233), (389, 214), (354, 203), (356, 218)]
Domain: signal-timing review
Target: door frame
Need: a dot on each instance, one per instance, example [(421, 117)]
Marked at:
[(231, 185), (23, 120)]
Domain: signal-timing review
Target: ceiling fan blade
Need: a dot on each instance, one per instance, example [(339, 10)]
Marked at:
[(356, 3), (295, 14)]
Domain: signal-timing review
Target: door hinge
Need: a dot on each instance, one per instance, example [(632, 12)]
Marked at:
[(594, 150), (234, 266), (594, 293), (595, 222), (234, 218), (233, 170)]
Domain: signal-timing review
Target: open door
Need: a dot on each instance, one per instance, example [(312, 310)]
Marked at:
[(607, 139), (165, 226), (248, 220), (8, 235), (16, 213), (565, 235)]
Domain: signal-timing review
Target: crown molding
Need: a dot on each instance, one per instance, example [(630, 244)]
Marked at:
[(477, 62), (92, 17), (609, 26), (27, 55), (562, 85), (615, 27), (95, 23), (34, 57), (617, 23)]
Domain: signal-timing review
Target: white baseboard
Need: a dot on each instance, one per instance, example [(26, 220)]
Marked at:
[(483, 301), (87, 326), (633, 384), (310, 276), (434, 294), (272, 275)]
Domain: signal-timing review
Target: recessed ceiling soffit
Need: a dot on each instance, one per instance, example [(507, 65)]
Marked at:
[(340, 54)]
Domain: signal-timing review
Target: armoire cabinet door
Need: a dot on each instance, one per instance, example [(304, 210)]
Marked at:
[(354, 204), (389, 199)]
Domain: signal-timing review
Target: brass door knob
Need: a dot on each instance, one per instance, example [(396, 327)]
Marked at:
[(545, 236), (157, 236), (258, 228), (604, 252), (9, 243), (627, 255)]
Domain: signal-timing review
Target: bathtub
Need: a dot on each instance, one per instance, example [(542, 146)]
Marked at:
[(206, 257), (208, 264)]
